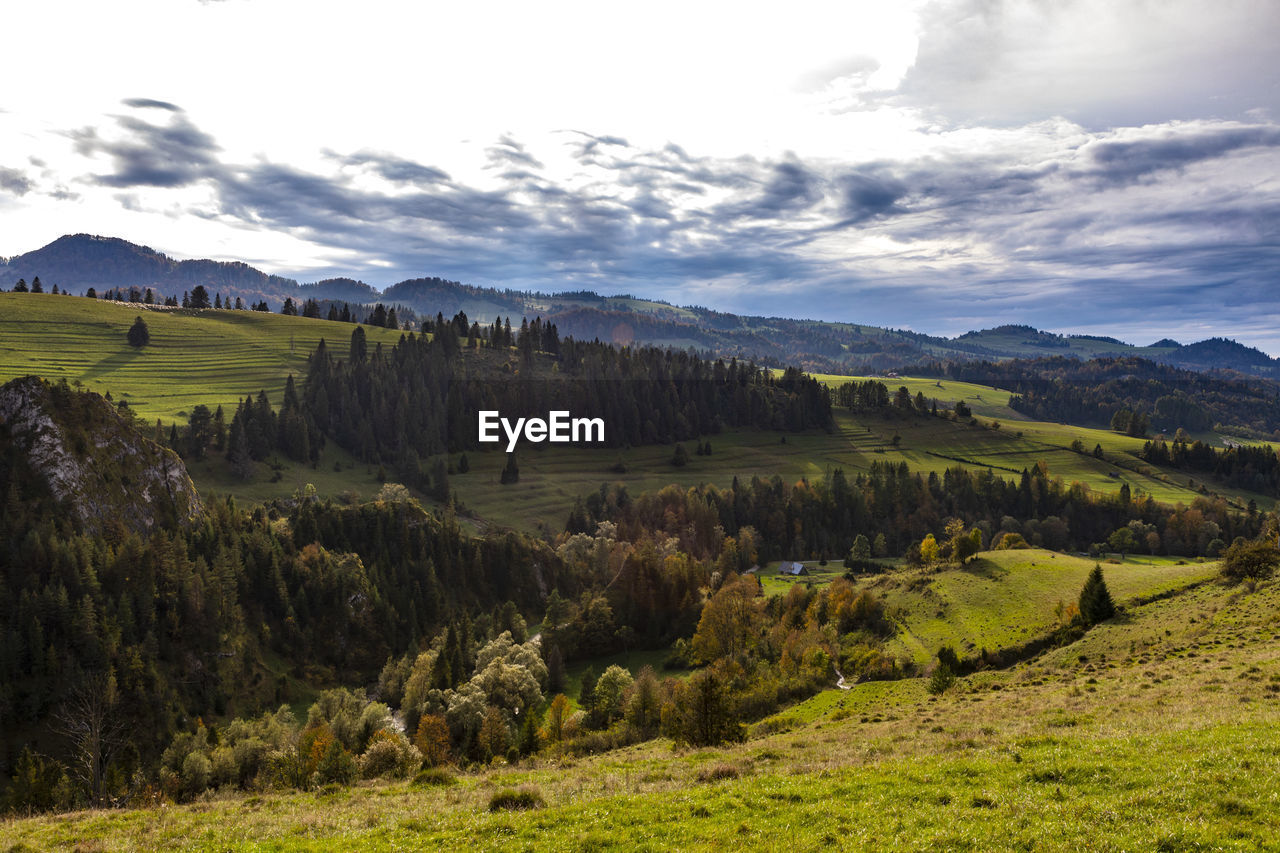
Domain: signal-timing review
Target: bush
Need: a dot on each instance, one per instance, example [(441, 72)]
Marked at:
[(718, 773), (196, 770), (434, 777), (1250, 560), (389, 756), (336, 765), (516, 799)]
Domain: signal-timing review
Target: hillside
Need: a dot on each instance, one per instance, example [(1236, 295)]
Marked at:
[(195, 357), (1144, 734), (219, 357), (80, 261)]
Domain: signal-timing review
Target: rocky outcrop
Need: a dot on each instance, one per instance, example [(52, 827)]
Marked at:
[(94, 463)]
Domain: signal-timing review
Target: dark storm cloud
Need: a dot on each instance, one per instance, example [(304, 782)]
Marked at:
[(152, 155), (14, 181)]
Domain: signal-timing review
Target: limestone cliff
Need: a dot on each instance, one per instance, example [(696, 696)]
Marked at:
[(95, 465)]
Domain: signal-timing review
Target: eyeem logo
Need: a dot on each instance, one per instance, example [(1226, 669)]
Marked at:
[(558, 428)]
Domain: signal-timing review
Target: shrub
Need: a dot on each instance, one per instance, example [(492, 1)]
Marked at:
[(1250, 560), (436, 777), (718, 773), (196, 770), (336, 765), (389, 756), (516, 799)]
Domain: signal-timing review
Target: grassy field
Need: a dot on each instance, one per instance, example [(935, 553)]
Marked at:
[(1002, 599), (984, 400), (552, 477), (210, 357), (1156, 731)]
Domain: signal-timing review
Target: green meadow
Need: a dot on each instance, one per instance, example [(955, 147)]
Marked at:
[(551, 478), (1002, 599), (211, 357)]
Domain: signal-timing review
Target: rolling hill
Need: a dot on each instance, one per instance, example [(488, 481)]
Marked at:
[(80, 261)]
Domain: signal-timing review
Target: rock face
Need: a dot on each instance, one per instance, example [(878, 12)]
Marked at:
[(96, 466)]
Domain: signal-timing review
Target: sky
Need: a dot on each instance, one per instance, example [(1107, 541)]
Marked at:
[(1096, 166)]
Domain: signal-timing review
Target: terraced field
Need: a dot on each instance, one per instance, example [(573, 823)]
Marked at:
[(552, 477), (210, 357)]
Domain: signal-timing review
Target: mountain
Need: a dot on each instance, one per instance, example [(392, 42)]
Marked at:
[(80, 261)]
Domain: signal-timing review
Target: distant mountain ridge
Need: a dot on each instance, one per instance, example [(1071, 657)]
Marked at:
[(80, 261)]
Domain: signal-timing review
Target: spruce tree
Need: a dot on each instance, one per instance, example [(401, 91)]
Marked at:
[(1095, 599)]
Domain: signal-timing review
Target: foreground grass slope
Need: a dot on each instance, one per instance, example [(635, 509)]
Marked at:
[(1159, 730)]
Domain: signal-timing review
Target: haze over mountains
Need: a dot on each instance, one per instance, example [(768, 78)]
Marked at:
[(78, 262)]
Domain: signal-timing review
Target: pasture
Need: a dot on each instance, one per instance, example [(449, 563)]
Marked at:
[(214, 357)]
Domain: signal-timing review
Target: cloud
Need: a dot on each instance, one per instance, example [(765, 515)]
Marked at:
[(866, 194), (14, 181), (148, 103), (1049, 224), (1099, 63), (1128, 160), (508, 152), (152, 155), (395, 169)]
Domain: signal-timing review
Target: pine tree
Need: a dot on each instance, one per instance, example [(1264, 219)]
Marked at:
[(1095, 599)]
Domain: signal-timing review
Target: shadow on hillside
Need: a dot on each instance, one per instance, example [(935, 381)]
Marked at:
[(984, 568), (113, 362)]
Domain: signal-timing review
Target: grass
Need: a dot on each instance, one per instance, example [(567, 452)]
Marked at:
[(552, 477), (210, 357), (1153, 732), (1002, 599)]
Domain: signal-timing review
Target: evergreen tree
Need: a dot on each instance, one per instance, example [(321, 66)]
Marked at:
[(139, 335), (511, 472), (1095, 599), (199, 297), (359, 346)]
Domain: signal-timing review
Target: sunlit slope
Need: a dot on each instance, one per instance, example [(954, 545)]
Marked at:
[(211, 357), (551, 477), (1002, 599)]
